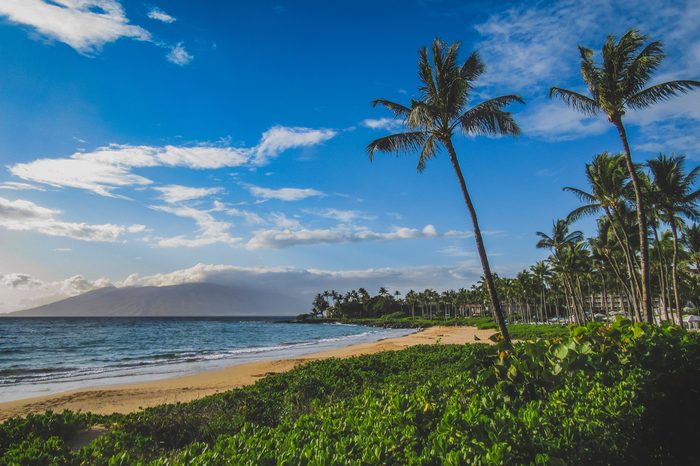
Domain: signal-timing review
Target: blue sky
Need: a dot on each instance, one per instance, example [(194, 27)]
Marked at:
[(166, 142)]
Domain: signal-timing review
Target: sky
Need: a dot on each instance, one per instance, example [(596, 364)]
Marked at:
[(165, 142)]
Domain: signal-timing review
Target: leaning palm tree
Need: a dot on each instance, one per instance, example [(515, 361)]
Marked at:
[(674, 195), (617, 85), (432, 120)]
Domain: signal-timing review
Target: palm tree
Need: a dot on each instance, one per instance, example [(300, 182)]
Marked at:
[(542, 273), (691, 241), (609, 191), (673, 195), (560, 237), (432, 119), (617, 85)]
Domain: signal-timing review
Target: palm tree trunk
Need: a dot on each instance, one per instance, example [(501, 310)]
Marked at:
[(498, 312), (641, 219), (674, 273), (662, 269)]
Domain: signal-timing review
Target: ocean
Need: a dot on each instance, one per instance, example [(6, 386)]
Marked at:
[(40, 356)]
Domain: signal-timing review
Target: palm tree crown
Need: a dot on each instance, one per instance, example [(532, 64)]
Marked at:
[(560, 237), (620, 81), (442, 106), (673, 191)]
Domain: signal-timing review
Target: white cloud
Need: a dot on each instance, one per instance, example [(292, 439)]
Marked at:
[(22, 215), (107, 168), (280, 138), (248, 216), (136, 228), (299, 284), (525, 45), (382, 123), (85, 25), (455, 251), (179, 56), (173, 193), (458, 234), (75, 172), (278, 238), (160, 15), (283, 194), (671, 137), (535, 43), (211, 230), (12, 185), (280, 220), (344, 216), (309, 281), (21, 291), (554, 121)]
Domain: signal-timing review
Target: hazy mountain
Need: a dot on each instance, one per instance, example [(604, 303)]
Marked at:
[(191, 299)]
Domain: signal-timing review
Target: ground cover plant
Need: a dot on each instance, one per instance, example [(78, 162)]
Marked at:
[(606, 394)]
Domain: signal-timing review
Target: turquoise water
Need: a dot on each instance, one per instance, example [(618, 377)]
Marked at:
[(48, 355)]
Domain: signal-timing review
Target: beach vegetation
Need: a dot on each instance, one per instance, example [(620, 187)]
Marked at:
[(620, 393)]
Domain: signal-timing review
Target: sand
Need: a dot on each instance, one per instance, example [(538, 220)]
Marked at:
[(133, 397)]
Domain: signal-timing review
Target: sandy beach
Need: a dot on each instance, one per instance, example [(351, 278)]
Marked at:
[(132, 397)]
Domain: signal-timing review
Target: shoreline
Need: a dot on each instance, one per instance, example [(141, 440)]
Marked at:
[(132, 397)]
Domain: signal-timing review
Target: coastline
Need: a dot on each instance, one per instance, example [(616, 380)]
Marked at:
[(133, 397)]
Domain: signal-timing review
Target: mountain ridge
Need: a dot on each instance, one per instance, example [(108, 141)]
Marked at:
[(184, 300)]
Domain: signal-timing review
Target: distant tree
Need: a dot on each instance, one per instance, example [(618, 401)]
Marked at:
[(320, 306)]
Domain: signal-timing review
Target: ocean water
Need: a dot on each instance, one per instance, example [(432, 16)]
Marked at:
[(40, 356)]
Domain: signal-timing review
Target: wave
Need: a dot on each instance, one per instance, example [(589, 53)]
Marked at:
[(106, 364)]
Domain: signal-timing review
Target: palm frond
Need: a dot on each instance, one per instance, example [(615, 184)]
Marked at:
[(489, 118), (589, 72), (640, 70), (397, 109), (395, 143), (425, 74), (472, 68), (423, 116), (581, 194), (582, 211), (580, 102), (660, 93), (427, 152)]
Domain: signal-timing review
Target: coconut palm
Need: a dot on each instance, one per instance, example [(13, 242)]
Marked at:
[(610, 190), (560, 237), (616, 85), (674, 195), (432, 120), (691, 241)]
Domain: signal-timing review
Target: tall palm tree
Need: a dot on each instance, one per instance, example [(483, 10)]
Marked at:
[(610, 189), (674, 195), (432, 119), (619, 84), (691, 241), (559, 238)]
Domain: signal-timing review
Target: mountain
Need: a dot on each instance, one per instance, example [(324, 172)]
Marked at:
[(190, 299)]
